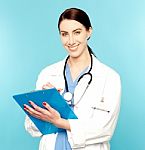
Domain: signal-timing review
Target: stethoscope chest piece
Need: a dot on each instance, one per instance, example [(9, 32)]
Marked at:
[(68, 96)]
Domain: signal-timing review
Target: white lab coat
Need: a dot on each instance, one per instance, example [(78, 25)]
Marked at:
[(97, 111)]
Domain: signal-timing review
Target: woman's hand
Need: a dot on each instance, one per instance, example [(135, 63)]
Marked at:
[(49, 86), (47, 113)]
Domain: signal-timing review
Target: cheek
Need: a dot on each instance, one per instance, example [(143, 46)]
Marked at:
[(63, 40), (82, 38)]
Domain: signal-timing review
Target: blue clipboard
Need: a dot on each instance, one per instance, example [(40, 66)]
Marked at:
[(54, 99)]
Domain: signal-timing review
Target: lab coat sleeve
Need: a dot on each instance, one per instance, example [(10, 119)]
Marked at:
[(31, 128), (43, 78), (100, 127), (29, 125)]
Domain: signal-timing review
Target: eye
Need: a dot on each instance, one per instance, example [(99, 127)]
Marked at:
[(64, 34), (77, 32)]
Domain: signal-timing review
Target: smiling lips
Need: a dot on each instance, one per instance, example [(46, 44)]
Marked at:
[(72, 48)]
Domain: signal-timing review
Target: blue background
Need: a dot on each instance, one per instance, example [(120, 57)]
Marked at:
[(29, 41)]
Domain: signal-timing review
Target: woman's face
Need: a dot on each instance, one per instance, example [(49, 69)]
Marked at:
[(74, 37)]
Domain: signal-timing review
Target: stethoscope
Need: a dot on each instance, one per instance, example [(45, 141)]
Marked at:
[(68, 96)]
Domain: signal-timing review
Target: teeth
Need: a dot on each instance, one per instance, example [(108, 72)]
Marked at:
[(73, 48)]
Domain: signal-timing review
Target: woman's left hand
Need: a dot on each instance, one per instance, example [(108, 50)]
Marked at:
[(47, 114)]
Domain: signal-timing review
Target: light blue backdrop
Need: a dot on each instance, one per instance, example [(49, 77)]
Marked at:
[(29, 41)]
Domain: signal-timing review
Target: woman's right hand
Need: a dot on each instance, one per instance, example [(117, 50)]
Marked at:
[(48, 85)]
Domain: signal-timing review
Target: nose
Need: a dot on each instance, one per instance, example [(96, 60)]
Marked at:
[(71, 40)]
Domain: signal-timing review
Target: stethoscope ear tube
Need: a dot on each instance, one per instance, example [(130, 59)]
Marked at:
[(89, 72), (66, 85)]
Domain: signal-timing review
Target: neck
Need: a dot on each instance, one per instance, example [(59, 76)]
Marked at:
[(77, 64)]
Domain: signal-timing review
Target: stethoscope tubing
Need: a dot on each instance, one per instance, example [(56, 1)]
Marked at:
[(87, 73)]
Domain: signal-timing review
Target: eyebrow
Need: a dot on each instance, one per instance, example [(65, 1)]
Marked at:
[(73, 30)]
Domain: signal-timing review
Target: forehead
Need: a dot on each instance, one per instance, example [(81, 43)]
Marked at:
[(70, 25)]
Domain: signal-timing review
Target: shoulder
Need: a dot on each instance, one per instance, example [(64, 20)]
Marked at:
[(105, 70), (111, 71), (110, 75), (55, 68), (50, 74)]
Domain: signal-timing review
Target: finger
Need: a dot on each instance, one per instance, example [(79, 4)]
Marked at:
[(48, 107), (37, 114), (31, 111), (59, 89), (41, 110), (47, 86), (37, 108)]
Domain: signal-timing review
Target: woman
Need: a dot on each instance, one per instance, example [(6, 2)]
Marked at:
[(94, 90)]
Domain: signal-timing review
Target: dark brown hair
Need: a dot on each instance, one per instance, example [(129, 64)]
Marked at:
[(76, 14)]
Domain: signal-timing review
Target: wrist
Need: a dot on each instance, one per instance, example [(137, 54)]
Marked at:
[(63, 123)]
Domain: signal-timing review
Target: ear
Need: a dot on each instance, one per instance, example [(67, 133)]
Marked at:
[(89, 33)]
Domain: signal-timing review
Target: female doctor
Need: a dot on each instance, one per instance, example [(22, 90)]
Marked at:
[(91, 88)]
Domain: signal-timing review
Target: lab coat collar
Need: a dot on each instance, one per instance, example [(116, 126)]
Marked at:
[(96, 69)]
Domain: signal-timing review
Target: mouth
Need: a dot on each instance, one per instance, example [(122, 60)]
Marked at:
[(73, 48)]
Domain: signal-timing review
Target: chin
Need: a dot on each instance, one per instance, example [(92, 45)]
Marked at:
[(74, 55)]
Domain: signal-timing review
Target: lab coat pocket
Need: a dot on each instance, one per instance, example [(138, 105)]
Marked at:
[(99, 108)]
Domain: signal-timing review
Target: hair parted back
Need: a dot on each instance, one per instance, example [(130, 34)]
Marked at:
[(77, 15)]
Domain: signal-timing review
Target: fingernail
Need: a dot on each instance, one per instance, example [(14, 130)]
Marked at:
[(30, 102), (44, 103), (25, 108), (59, 90)]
